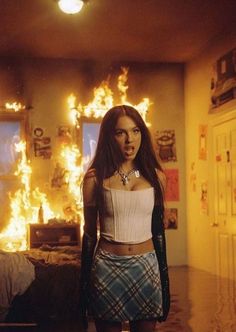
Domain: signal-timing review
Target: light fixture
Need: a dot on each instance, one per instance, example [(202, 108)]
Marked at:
[(71, 6)]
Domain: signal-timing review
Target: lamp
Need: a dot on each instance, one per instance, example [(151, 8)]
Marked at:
[(71, 6)]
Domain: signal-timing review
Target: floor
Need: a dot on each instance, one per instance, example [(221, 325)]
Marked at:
[(200, 302)]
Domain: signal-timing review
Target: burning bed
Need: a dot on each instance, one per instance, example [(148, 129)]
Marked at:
[(40, 285)]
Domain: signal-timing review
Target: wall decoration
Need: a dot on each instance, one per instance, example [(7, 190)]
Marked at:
[(42, 144), (193, 178), (166, 145), (202, 142), (171, 218), (172, 184), (204, 198), (223, 81), (59, 177), (193, 183), (64, 134)]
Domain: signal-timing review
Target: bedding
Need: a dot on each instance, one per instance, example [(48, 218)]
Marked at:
[(16, 275), (50, 291)]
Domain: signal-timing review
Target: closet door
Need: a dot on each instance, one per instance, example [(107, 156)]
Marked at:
[(224, 137)]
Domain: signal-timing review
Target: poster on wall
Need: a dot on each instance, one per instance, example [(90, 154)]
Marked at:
[(202, 142), (223, 80), (166, 145), (171, 218), (41, 144), (204, 198), (59, 177), (64, 134), (172, 185), (193, 178)]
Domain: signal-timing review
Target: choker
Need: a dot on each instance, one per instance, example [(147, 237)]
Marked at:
[(125, 176)]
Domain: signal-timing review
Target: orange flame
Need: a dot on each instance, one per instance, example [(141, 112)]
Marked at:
[(103, 101), (16, 107), (122, 87)]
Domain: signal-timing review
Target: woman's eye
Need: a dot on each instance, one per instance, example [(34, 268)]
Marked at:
[(119, 133), (136, 130)]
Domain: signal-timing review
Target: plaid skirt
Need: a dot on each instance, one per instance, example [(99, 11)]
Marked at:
[(125, 288)]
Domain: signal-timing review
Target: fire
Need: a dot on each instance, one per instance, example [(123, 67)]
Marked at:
[(23, 212), (71, 156), (25, 202), (14, 235), (103, 101), (40, 198), (23, 168), (16, 107), (73, 111), (121, 85), (143, 106)]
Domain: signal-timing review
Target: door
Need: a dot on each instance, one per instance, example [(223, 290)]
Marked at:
[(224, 138)]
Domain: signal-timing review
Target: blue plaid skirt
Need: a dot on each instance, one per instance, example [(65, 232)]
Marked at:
[(125, 288)]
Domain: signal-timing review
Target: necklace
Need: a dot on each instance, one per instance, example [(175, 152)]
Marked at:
[(125, 176)]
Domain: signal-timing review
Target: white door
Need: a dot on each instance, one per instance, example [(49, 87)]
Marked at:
[(224, 137)]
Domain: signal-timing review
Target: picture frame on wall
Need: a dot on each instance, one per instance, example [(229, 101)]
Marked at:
[(171, 218), (166, 145), (223, 80)]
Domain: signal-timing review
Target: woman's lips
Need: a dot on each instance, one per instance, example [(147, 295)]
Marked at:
[(129, 150)]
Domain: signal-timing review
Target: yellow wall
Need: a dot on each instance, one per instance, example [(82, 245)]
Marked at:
[(45, 84), (198, 72)]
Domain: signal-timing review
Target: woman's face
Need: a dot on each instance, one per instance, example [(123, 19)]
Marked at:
[(128, 137)]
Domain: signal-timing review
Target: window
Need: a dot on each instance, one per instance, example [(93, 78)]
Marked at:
[(12, 130), (90, 132)]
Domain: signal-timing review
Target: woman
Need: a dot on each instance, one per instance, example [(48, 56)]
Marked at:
[(124, 274)]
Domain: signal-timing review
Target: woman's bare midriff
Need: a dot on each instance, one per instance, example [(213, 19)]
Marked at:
[(124, 249)]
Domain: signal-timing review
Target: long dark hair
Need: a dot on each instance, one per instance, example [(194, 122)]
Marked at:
[(108, 157)]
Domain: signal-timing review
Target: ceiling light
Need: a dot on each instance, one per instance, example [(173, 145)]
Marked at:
[(70, 6)]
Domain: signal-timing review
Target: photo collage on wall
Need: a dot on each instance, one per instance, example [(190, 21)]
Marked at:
[(165, 141), (41, 144)]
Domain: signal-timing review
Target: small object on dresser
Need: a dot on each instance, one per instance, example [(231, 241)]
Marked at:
[(40, 215)]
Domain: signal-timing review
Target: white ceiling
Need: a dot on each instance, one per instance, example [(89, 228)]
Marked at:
[(114, 30)]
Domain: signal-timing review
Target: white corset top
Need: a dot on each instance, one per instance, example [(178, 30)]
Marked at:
[(128, 215)]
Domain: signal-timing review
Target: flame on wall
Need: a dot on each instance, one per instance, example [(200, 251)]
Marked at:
[(25, 201), (16, 107), (103, 101)]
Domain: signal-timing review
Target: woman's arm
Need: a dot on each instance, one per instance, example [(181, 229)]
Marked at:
[(90, 205), (159, 241), (89, 239)]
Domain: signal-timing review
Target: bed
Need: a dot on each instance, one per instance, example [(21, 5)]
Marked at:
[(40, 285)]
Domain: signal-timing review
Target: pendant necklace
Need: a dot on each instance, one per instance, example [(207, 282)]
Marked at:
[(125, 176)]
